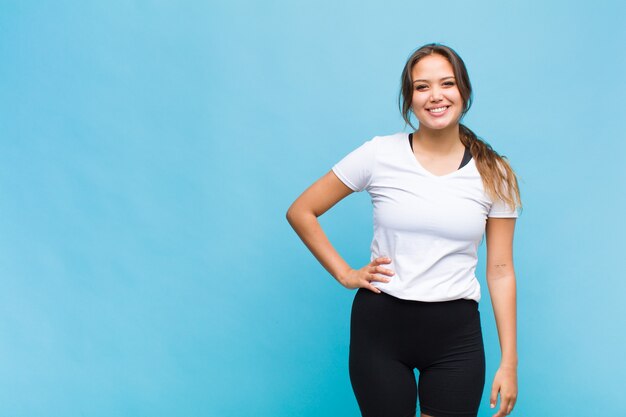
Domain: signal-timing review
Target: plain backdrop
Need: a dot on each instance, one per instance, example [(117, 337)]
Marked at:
[(150, 149)]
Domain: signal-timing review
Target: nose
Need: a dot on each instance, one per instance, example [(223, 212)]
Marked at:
[(436, 94)]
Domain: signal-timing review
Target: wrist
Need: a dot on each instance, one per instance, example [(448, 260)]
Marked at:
[(342, 275), (508, 364), (509, 357)]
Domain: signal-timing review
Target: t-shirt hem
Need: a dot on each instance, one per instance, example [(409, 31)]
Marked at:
[(344, 179), (503, 215), (410, 297)]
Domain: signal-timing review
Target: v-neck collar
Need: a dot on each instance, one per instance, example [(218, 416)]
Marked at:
[(464, 162)]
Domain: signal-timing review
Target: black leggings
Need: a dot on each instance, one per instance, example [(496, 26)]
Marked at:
[(389, 337)]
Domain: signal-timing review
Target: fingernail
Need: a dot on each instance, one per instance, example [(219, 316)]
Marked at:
[(492, 405)]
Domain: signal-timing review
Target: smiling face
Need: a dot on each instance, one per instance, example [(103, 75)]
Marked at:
[(436, 101)]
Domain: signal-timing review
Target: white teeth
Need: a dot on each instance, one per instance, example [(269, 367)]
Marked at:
[(437, 110)]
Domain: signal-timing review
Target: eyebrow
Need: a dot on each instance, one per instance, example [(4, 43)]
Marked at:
[(441, 79)]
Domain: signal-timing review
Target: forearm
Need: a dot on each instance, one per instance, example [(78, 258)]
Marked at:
[(503, 299), (310, 232)]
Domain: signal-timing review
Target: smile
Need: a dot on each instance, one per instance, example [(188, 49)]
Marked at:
[(438, 109)]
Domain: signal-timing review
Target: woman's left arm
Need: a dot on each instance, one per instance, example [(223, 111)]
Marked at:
[(501, 283)]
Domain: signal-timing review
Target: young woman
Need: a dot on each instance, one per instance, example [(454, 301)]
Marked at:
[(435, 193)]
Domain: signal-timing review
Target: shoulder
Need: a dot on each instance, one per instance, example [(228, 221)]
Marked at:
[(382, 142), (392, 138)]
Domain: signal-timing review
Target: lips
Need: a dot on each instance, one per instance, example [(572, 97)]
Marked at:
[(438, 111)]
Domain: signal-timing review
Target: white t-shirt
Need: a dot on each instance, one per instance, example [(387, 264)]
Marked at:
[(430, 226)]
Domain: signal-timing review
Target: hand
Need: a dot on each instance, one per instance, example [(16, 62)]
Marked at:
[(362, 278), (505, 382)]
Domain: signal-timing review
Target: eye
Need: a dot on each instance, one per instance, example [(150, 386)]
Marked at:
[(420, 87), (449, 83)]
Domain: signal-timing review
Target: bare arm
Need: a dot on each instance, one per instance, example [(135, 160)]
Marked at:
[(501, 283), (502, 288), (302, 216)]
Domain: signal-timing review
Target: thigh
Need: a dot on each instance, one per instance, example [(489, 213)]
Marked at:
[(384, 386), (452, 384)]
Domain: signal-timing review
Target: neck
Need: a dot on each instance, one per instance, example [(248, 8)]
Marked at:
[(441, 141)]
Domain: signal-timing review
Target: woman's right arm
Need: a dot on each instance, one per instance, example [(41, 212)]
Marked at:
[(302, 216)]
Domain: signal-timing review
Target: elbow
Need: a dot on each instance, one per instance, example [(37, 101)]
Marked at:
[(289, 215), (292, 214), (295, 213)]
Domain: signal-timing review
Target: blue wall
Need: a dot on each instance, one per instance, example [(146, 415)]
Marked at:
[(149, 151)]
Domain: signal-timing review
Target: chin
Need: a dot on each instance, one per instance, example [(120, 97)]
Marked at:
[(438, 126)]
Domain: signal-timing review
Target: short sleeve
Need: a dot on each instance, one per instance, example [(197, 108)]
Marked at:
[(355, 169), (500, 209)]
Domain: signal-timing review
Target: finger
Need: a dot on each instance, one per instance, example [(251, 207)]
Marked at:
[(493, 398), (381, 270), (509, 409), (507, 402), (504, 405), (371, 288), (381, 260), (511, 405), (374, 277), (500, 413)]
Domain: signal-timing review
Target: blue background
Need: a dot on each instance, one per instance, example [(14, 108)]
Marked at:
[(150, 150)]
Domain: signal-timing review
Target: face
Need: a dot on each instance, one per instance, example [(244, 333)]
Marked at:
[(437, 102)]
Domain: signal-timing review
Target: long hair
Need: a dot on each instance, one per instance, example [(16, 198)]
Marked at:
[(499, 179)]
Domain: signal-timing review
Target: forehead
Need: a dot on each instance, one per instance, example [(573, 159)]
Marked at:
[(432, 67)]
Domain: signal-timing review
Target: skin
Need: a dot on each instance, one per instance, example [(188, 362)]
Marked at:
[(438, 149)]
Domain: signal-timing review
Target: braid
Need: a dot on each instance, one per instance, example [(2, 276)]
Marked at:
[(499, 179)]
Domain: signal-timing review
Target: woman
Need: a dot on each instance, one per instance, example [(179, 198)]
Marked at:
[(435, 193)]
